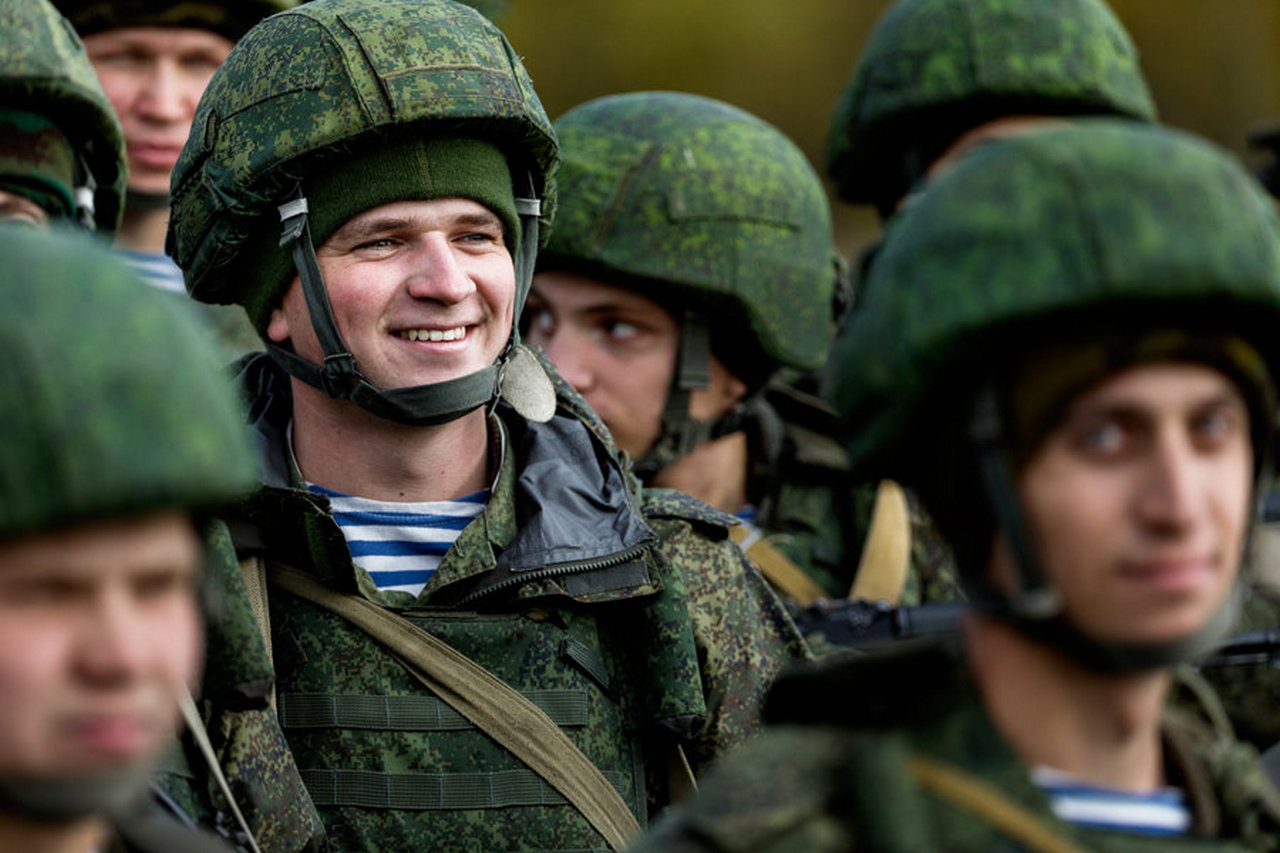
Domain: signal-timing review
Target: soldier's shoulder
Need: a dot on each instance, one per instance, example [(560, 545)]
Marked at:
[(786, 790), (671, 505)]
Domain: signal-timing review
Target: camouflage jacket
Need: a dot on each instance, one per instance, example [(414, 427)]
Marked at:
[(627, 615), (834, 776), (813, 511)]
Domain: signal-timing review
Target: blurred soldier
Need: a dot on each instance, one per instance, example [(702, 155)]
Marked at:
[(484, 632), (110, 460), (1085, 408), (692, 259), (939, 76), (61, 148), (154, 59)]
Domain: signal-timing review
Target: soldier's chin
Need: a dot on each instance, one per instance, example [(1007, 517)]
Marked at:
[(66, 799)]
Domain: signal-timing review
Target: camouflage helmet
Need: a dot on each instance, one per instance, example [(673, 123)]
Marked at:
[(318, 91), (45, 71), (342, 72), (111, 408), (699, 204), (228, 18), (932, 69), (1101, 227)]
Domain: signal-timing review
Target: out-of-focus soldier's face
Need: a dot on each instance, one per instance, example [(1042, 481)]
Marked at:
[(100, 631), (154, 77), (618, 349), (1138, 502)]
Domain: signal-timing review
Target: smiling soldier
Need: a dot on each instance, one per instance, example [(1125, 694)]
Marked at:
[(376, 208)]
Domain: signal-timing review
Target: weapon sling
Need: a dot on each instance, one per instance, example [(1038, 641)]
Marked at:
[(774, 565), (494, 708), (988, 805), (886, 554)]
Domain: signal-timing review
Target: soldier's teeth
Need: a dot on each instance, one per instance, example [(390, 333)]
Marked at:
[(435, 334)]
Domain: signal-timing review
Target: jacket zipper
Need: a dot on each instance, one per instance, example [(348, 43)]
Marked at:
[(564, 569)]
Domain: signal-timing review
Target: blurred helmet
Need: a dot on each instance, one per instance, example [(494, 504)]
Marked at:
[(701, 205), (714, 214), (314, 90), (933, 69), (111, 408), (52, 99)]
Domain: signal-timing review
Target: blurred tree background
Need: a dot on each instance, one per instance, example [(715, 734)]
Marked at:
[(1214, 65)]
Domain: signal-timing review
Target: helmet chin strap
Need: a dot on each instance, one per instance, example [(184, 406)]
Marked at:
[(681, 433), (1034, 608), (340, 377), (139, 200)]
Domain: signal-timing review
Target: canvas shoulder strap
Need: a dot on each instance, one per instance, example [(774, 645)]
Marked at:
[(485, 700), (974, 796), (191, 715), (785, 575), (886, 555)]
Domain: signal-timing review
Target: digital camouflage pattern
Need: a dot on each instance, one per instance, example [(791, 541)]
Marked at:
[(44, 70), (696, 203), (229, 18), (1049, 226), (833, 774), (929, 63), (650, 631), (308, 84), (96, 425), (234, 702)]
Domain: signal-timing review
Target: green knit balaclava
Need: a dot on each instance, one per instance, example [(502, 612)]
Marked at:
[(405, 169)]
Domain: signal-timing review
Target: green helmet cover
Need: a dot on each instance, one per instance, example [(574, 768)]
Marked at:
[(228, 18), (113, 406), (933, 66), (699, 204), (46, 72), (307, 86), (1103, 227)]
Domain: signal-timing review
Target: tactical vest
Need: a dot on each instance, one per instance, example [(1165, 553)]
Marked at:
[(345, 705)]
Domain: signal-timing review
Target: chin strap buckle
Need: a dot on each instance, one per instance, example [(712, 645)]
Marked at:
[(338, 376)]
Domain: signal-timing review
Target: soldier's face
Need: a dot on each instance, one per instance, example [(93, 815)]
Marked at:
[(1138, 502), (154, 77), (422, 292), (618, 349), (20, 209), (99, 632)]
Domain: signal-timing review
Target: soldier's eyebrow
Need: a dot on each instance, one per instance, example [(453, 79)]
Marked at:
[(362, 229)]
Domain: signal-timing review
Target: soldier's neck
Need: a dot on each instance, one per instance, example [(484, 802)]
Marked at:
[(342, 447), (714, 473), (28, 836), (143, 230), (1054, 713)]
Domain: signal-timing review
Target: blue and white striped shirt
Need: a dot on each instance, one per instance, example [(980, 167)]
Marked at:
[(1161, 813), (401, 544)]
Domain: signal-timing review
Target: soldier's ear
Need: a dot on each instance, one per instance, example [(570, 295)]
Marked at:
[(279, 327)]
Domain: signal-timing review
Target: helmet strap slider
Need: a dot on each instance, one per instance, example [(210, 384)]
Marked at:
[(1034, 599)]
